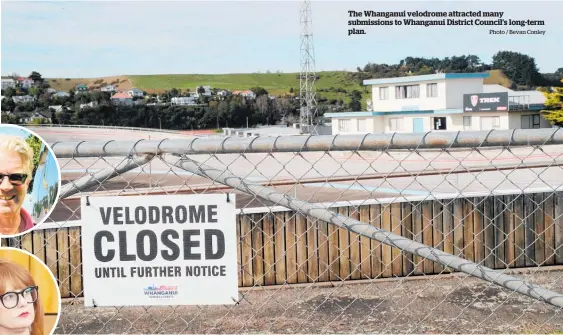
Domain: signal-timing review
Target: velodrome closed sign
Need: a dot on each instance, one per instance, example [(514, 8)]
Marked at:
[(159, 250)]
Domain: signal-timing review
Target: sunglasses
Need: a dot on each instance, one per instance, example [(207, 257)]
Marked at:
[(12, 299), (15, 178)]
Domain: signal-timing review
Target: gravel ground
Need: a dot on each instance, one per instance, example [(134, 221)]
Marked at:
[(444, 304)]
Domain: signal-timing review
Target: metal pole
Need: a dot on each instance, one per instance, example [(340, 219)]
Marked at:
[(266, 144), (97, 178), (367, 230)]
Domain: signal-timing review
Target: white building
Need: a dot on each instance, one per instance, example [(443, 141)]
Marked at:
[(207, 90), (191, 100), (435, 102), (23, 99), (26, 82), (8, 83), (135, 93), (108, 88)]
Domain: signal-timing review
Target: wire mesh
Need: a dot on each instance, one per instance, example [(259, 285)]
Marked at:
[(393, 233)]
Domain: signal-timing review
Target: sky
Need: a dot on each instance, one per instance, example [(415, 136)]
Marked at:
[(50, 172), (74, 39)]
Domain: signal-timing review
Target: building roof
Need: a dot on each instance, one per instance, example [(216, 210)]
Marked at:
[(121, 95), (427, 77)]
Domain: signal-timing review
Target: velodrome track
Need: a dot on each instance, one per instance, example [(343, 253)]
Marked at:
[(323, 177)]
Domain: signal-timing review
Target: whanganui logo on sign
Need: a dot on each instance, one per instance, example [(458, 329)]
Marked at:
[(161, 292), (485, 102)]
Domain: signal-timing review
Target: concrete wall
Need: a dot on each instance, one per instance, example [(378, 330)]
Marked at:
[(422, 103), (450, 95), (456, 88), (359, 125), (515, 120), (454, 122)]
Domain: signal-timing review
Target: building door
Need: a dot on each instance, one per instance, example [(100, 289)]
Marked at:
[(418, 125)]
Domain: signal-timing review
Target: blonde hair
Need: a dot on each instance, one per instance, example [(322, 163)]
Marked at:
[(20, 278), (20, 146)]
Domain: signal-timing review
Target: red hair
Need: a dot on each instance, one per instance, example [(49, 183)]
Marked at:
[(20, 278)]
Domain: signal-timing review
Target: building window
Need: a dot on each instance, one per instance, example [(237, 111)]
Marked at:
[(407, 92), (361, 125), (396, 124), (466, 122), (344, 125), (431, 90), (440, 123), (383, 93), (531, 121), (490, 122)]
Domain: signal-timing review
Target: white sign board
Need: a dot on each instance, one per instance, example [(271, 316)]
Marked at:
[(159, 250)]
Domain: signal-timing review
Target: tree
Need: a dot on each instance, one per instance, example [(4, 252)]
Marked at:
[(554, 104), (518, 67), (559, 71), (259, 91), (36, 76), (35, 144)]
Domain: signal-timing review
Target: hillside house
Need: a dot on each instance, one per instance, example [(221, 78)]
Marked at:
[(56, 108), (8, 83), (122, 98), (223, 93), (184, 101), (23, 99), (80, 88), (246, 94), (26, 83), (91, 104), (136, 93), (206, 90), (108, 88), (62, 94)]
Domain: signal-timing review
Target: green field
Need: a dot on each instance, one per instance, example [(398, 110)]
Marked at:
[(275, 84)]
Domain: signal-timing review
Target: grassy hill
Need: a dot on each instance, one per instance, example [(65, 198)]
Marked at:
[(65, 84), (330, 85), (276, 84), (497, 77)]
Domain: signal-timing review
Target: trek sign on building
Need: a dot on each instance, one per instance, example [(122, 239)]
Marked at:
[(159, 250), (485, 102)]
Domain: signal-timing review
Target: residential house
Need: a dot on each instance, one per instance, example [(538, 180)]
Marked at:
[(136, 93), (81, 88), (109, 88), (91, 104), (62, 94), (122, 98), (51, 91), (56, 108), (246, 94), (26, 83), (441, 102), (23, 99), (223, 93), (206, 90), (191, 100), (27, 117), (8, 83)]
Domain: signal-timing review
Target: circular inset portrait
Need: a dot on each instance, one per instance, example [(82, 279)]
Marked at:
[(30, 300), (30, 180)]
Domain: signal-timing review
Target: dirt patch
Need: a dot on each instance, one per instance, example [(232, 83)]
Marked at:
[(430, 305)]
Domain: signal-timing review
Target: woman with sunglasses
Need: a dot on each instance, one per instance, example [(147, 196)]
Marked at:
[(16, 167), (21, 312)]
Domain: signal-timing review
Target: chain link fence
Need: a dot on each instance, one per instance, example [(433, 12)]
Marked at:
[(388, 233)]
